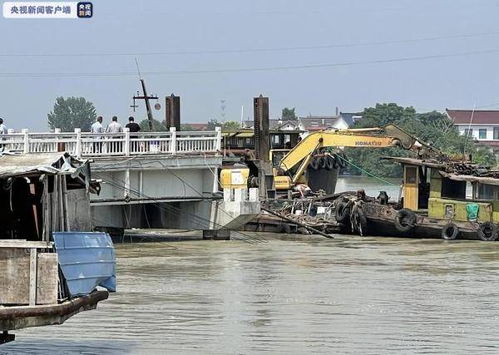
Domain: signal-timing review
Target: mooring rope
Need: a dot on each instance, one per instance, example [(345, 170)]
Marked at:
[(365, 171)]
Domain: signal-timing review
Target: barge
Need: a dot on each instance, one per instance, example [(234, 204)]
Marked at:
[(449, 200)]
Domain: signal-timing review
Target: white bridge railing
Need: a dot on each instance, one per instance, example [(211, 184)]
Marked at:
[(83, 144)]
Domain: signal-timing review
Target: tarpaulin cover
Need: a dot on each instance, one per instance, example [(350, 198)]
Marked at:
[(472, 211), (87, 260)]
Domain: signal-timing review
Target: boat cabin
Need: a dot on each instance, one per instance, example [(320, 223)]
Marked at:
[(43, 193), (429, 187)]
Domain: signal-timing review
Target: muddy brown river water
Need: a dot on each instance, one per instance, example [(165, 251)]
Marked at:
[(348, 295)]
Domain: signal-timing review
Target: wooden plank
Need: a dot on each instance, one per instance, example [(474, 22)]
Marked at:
[(32, 276), (46, 213), (47, 278), (65, 203), (55, 205), (13, 243), (14, 276), (60, 197)]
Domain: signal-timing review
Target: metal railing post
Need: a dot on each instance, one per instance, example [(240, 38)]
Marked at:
[(173, 140), (127, 141), (78, 143), (25, 140)]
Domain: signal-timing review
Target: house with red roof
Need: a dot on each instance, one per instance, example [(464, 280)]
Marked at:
[(481, 125)]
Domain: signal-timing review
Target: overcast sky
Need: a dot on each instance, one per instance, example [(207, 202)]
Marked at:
[(310, 54)]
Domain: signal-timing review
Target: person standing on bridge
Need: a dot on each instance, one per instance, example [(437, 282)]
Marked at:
[(134, 128), (115, 127), (3, 129), (97, 128)]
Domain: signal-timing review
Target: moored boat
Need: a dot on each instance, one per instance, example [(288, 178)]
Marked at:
[(49, 256), (440, 199)]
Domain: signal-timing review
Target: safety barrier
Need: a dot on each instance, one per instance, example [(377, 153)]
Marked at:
[(83, 144)]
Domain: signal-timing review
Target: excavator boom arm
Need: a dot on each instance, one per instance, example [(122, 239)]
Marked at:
[(332, 139)]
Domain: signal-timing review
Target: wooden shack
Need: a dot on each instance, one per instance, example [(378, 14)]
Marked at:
[(39, 194)]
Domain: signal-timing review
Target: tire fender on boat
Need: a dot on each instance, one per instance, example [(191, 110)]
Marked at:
[(405, 220), (487, 231), (342, 212), (450, 231), (359, 220)]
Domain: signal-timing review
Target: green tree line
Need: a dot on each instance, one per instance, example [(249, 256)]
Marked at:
[(431, 127)]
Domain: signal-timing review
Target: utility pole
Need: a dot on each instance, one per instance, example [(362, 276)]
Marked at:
[(146, 98), (134, 105), (222, 109)]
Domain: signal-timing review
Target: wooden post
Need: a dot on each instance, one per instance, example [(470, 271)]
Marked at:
[(32, 276), (65, 213), (55, 204), (46, 212)]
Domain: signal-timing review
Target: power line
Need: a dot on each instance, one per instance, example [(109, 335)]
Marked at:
[(253, 50), (238, 70)]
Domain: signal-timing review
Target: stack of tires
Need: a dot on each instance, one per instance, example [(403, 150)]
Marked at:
[(351, 217), (328, 162), (342, 215), (322, 172)]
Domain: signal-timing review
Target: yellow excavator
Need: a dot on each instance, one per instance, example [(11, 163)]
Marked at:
[(290, 169)]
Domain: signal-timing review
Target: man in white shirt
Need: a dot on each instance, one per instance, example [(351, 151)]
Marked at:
[(3, 129), (115, 127), (97, 126)]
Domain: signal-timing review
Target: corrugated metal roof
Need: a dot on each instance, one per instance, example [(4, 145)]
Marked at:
[(27, 164)]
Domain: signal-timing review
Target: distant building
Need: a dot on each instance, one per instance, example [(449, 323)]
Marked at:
[(306, 124), (482, 126), (321, 123), (351, 118), (276, 124)]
